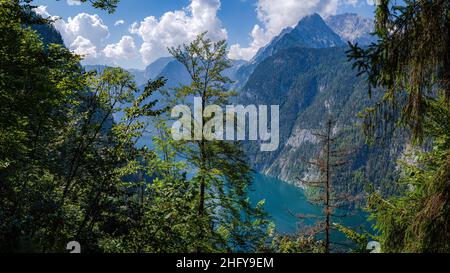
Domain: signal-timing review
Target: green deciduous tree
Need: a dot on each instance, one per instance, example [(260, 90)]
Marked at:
[(37, 90), (222, 175), (72, 167), (63, 160)]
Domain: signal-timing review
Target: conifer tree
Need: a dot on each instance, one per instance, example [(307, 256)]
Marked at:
[(410, 64)]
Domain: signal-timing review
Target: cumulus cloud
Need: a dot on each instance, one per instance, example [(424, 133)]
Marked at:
[(125, 48), (119, 22), (274, 16), (84, 47), (176, 27), (89, 26), (86, 35)]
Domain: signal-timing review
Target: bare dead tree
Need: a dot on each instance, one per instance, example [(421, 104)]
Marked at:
[(328, 162)]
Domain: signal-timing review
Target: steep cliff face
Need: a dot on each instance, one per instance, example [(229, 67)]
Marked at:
[(311, 85), (49, 34), (352, 27)]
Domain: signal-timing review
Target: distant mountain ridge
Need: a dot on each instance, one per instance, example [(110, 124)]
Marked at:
[(154, 69), (310, 32)]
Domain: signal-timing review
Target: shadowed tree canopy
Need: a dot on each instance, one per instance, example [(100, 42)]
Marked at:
[(410, 62)]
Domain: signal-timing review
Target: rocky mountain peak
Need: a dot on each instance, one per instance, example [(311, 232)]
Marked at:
[(352, 27)]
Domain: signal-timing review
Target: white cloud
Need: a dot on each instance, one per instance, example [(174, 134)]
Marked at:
[(84, 47), (176, 27), (87, 34), (89, 26), (73, 2), (119, 22), (84, 33), (276, 16), (124, 49), (42, 10)]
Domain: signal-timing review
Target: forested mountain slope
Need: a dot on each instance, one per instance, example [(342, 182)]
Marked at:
[(312, 85)]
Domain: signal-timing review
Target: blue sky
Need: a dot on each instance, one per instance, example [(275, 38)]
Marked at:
[(139, 31)]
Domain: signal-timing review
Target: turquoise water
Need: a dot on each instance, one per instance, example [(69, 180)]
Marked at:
[(283, 200)]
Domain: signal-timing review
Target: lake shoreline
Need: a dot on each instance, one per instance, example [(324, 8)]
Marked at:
[(283, 201)]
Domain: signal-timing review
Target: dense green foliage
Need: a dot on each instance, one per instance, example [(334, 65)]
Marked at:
[(411, 64), (418, 219), (70, 172)]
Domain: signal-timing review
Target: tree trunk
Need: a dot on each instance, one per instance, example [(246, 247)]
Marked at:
[(327, 191)]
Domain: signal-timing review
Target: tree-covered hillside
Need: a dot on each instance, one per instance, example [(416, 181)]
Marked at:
[(312, 85)]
